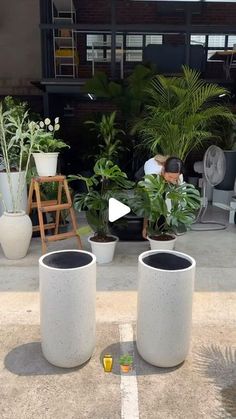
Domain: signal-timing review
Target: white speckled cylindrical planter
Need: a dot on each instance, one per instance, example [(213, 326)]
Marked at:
[(67, 306), (165, 293)]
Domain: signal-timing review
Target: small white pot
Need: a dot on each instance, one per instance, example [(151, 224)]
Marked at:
[(15, 234), (162, 244), (165, 293), (17, 178), (46, 163), (104, 252), (67, 306)]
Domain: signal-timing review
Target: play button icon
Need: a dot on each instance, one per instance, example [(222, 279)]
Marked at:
[(117, 210)]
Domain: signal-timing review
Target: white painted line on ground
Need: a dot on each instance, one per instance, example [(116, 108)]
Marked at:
[(128, 383)]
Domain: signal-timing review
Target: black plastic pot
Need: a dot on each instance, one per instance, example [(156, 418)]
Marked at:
[(128, 228)]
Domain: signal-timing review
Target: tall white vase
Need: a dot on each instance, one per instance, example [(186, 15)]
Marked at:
[(165, 290), (16, 179), (15, 234), (67, 306)]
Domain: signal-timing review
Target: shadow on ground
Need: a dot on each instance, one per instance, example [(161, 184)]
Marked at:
[(140, 367), (219, 366), (28, 359)]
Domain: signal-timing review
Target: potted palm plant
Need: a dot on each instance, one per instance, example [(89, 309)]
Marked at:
[(166, 206), (178, 114), (15, 225), (46, 146), (126, 362), (108, 181), (110, 145)]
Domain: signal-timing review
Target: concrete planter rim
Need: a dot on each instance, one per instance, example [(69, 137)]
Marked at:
[(103, 243), (66, 251), (19, 213), (180, 254)]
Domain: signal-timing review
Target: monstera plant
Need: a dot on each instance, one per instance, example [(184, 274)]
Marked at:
[(107, 181)]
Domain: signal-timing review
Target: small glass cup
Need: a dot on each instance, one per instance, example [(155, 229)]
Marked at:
[(107, 363)]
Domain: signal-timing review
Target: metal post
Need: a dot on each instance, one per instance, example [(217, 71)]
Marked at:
[(113, 38)]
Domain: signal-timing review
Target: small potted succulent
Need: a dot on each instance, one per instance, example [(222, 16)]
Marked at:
[(108, 181), (166, 207), (46, 147), (126, 362)]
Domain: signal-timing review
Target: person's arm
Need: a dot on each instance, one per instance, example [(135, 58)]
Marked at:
[(145, 225)]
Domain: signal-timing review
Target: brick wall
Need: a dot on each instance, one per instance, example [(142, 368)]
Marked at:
[(127, 11)]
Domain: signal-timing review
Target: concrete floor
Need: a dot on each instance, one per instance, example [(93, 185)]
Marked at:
[(203, 387)]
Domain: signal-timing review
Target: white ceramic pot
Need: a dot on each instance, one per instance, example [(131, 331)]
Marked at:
[(104, 252), (165, 291), (162, 244), (15, 234), (17, 178), (67, 306), (46, 163)]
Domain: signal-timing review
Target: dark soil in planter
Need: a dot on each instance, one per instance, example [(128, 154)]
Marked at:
[(167, 261), (99, 239), (67, 260), (162, 237)]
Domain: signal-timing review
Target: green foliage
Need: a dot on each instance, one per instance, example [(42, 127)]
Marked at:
[(107, 131), (19, 112), (128, 95), (126, 359), (45, 140), (18, 134), (155, 198), (178, 113), (108, 181)]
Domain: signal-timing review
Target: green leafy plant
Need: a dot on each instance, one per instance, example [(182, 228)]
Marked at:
[(18, 133), (178, 113), (173, 205), (107, 131), (126, 359), (128, 95), (108, 181), (45, 140)]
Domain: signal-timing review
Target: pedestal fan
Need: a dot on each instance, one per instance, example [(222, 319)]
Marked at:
[(214, 167)]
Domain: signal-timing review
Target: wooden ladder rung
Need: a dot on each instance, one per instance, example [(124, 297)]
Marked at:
[(59, 207), (44, 203), (61, 236), (46, 227), (48, 179)]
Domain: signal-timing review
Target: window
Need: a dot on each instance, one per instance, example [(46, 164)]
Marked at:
[(216, 41), (132, 45), (198, 40), (231, 40)]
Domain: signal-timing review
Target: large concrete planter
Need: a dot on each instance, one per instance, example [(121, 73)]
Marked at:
[(165, 290), (17, 178), (67, 306), (15, 234)]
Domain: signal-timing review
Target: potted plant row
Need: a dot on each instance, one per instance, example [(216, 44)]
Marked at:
[(108, 181), (166, 206), (19, 137)]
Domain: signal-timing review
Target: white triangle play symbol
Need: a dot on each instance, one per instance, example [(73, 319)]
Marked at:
[(117, 209)]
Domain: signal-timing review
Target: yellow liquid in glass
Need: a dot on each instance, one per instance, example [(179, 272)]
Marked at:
[(107, 363)]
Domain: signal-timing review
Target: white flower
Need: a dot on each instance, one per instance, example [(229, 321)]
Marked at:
[(50, 128), (41, 124), (57, 127), (47, 121), (56, 120)]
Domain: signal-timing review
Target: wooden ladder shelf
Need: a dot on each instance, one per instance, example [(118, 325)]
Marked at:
[(52, 206)]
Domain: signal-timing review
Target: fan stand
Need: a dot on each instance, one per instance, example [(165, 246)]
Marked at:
[(214, 225)]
